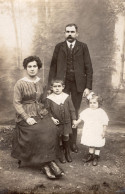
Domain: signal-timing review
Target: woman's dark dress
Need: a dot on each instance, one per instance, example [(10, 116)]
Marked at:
[(33, 143)]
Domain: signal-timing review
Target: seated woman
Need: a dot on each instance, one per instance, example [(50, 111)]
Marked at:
[(36, 136)]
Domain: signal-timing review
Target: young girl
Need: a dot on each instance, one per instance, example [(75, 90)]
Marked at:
[(62, 112), (95, 124)]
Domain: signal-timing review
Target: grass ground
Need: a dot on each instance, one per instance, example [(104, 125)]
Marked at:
[(107, 177)]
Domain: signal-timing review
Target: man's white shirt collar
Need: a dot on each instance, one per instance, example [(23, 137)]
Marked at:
[(69, 43)]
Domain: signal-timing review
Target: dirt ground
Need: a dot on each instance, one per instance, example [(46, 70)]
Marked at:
[(107, 177)]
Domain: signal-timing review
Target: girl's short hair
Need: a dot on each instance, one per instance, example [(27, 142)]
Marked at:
[(57, 81), (31, 59), (98, 98)]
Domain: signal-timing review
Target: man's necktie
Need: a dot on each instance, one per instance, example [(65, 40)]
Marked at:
[(71, 48)]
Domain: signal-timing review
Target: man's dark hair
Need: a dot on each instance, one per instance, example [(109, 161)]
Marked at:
[(31, 59), (70, 25)]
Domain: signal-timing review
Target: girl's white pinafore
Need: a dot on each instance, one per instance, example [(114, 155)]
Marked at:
[(93, 127)]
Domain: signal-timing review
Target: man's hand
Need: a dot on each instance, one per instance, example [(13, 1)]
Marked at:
[(86, 92), (31, 121)]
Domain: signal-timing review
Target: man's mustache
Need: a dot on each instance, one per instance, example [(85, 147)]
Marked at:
[(69, 37)]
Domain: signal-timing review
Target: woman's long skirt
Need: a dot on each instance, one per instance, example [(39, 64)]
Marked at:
[(36, 143)]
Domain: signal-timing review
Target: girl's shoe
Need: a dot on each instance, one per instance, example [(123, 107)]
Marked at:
[(57, 171), (95, 160), (47, 171), (88, 158)]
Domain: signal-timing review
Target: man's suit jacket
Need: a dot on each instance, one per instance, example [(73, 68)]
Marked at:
[(81, 62)]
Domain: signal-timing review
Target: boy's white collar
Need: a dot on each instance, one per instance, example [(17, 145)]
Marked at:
[(58, 99)]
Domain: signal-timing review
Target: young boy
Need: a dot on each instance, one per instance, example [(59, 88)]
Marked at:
[(62, 113)]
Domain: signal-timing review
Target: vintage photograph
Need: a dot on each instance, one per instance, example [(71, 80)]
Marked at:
[(62, 92)]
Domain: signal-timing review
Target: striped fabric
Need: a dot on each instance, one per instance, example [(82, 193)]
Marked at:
[(27, 98)]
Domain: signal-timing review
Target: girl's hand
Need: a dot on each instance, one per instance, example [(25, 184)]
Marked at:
[(31, 121), (74, 124), (56, 121), (104, 131), (103, 134)]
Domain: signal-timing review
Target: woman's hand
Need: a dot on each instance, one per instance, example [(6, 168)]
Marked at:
[(56, 121), (31, 121)]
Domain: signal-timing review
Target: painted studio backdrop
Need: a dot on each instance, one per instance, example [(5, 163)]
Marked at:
[(34, 27)]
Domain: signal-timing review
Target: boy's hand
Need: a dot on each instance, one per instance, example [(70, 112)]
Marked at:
[(56, 121)]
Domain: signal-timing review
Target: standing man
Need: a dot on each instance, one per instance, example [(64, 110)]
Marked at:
[(71, 62)]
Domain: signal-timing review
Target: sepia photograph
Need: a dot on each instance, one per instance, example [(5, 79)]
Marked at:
[(62, 93)]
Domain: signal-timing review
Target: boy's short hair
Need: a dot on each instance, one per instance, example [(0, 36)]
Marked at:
[(57, 81)]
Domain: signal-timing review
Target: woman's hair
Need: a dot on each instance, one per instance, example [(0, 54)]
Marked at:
[(31, 59), (57, 81), (98, 98)]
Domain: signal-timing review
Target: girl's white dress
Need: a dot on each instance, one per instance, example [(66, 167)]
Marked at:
[(93, 127)]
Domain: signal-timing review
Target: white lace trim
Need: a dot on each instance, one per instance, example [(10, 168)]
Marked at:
[(28, 80)]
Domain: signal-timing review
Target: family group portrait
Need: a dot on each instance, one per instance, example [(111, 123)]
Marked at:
[(62, 92)]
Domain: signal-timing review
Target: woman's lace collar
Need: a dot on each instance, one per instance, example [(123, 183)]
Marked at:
[(28, 80)]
